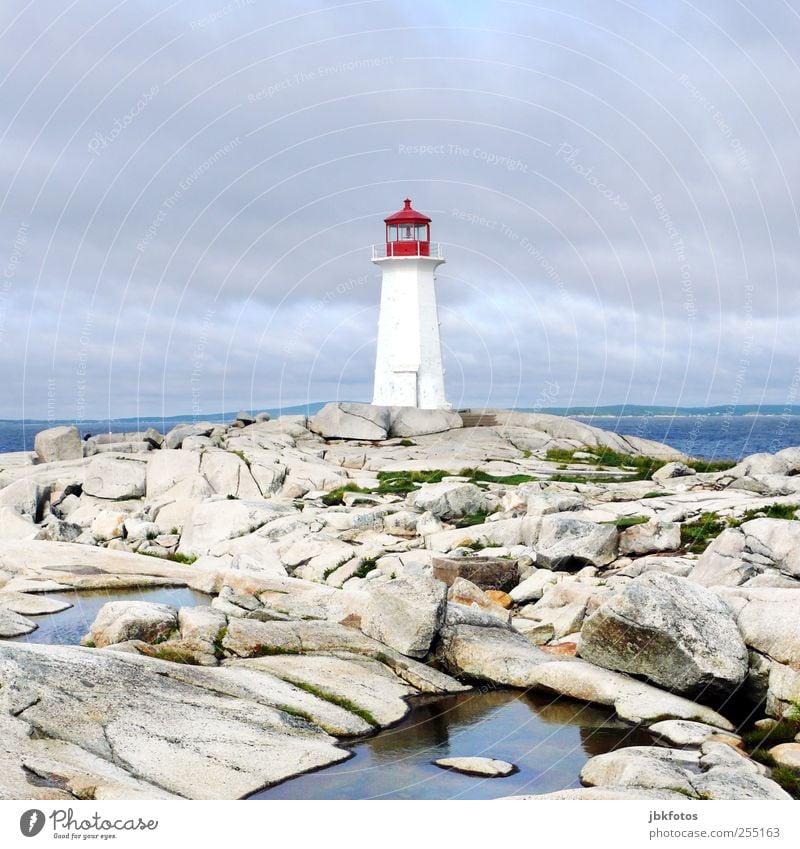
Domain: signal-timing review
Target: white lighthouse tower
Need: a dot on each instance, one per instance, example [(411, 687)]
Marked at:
[(408, 367)]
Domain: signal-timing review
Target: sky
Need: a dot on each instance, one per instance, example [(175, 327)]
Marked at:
[(189, 192)]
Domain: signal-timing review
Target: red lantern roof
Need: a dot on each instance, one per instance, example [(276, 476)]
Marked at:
[(407, 215)]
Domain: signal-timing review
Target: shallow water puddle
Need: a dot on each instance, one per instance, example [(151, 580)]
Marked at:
[(67, 627), (549, 740)]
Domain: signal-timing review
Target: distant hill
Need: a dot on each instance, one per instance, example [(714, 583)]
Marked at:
[(609, 410), (651, 410)]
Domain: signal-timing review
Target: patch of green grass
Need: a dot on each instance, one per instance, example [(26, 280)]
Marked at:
[(151, 535), (472, 519), (653, 494), (232, 497), (89, 644), (174, 556), (336, 496), (783, 731), (174, 530), (401, 483), (407, 443), (788, 779), (335, 699), (271, 651), (365, 567), (774, 511), (641, 468), (628, 521), (173, 654), (696, 535), (703, 466), (331, 569), (241, 456), (477, 476), (296, 712)]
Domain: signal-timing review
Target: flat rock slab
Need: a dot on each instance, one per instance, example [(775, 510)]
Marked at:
[(14, 625), (682, 732), (170, 725), (485, 767), (362, 686), (604, 794), (28, 604)]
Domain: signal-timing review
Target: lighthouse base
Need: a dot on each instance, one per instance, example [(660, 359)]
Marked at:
[(408, 367)]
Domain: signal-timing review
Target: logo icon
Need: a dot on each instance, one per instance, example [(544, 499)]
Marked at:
[(31, 822)]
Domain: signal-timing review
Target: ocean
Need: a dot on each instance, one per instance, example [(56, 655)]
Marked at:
[(711, 437)]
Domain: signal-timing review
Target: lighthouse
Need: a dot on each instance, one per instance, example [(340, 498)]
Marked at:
[(408, 366)]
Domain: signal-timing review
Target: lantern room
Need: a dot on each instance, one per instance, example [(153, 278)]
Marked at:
[(408, 232)]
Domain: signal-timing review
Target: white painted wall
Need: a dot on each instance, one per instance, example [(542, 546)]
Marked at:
[(408, 367)]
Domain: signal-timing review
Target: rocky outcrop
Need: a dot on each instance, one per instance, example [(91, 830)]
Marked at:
[(762, 552), (716, 771), (671, 631)]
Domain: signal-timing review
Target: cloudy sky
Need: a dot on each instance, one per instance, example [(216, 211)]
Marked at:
[(190, 190)]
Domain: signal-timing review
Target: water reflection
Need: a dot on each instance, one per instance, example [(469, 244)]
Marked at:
[(67, 627), (548, 739)]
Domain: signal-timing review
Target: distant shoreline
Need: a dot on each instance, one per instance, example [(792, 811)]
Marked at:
[(629, 411)]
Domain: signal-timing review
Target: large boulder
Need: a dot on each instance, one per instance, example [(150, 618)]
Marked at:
[(566, 543), (675, 633), (58, 443), (118, 621), (351, 421), (114, 478), (760, 550), (449, 499), (405, 614)]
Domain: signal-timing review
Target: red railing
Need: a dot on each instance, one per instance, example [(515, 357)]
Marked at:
[(400, 249)]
